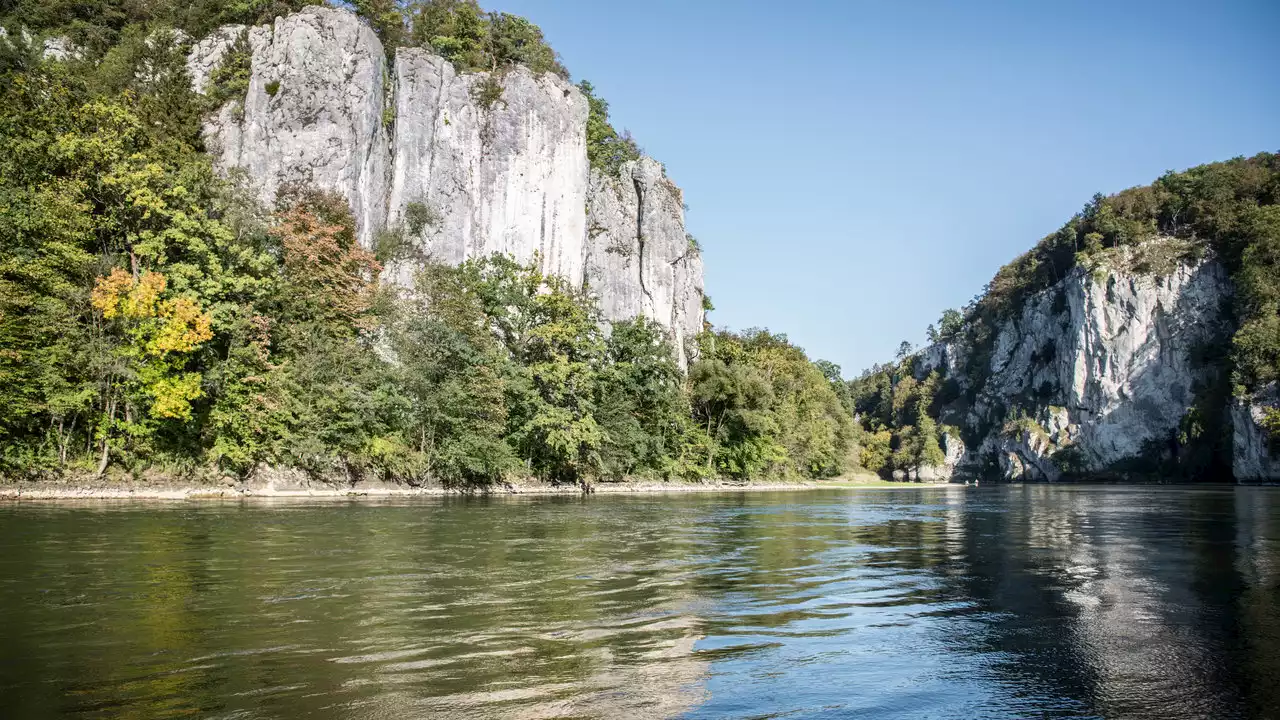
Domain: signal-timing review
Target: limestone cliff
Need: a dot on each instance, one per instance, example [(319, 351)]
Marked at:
[(313, 112), (1106, 373), (640, 260), (494, 162), (1254, 455), (509, 177)]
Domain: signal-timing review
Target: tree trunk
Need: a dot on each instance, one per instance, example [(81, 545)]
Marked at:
[(106, 458), (64, 437), (106, 437)]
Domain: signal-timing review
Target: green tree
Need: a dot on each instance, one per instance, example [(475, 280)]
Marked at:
[(950, 324), (455, 29), (516, 41), (641, 407), (551, 333), (86, 192), (766, 409), (95, 26), (730, 400), (453, 371), (1257, 342), (339, 397), (832, 373), (606, 149), (387, 19), (472, 39)]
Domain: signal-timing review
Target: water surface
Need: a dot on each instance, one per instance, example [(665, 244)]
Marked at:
[(1002, 602)]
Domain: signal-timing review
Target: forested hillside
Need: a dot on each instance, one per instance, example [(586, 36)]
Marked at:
[(1117, 253), (156, 317)]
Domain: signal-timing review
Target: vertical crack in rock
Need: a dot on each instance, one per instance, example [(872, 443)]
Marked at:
[(640, 239), (542, 229), (520, 190), (1121, 381)]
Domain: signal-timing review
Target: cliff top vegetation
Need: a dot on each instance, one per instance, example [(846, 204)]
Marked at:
[(473, 39), (1224, 209), (1229, 211)]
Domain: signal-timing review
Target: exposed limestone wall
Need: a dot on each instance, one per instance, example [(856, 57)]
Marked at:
[(323, 124), (510, 176), (953, 451), (1254, 459), (640, 260), (1094, 373)]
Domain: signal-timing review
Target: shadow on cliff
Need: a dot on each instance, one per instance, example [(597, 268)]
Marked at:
[(1198, 446), (1181, 367)]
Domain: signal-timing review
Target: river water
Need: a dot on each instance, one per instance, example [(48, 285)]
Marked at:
[(1001, 602)]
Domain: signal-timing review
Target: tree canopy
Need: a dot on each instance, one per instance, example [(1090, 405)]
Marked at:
[(154, 316)]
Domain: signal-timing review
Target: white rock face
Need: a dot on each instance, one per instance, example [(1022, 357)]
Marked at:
[(59, 49), (207, 54), (53, 48), (1094, 372), (1132, 368), (314, 110), (640, 260), (509, 177), (954, 450), (1253, 458)]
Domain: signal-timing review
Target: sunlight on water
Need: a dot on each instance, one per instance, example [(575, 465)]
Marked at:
[(994, 603)]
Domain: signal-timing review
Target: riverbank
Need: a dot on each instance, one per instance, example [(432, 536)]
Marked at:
[(82, 489)]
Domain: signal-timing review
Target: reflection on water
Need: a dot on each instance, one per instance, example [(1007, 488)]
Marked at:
[(1004, 602)]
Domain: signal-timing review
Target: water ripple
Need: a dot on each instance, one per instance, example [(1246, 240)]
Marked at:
[(999, 603)]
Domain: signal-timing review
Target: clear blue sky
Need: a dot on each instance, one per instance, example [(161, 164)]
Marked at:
[(853, 168)]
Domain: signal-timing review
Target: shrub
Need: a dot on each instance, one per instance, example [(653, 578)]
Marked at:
[(606, 149), (230, 79), (419, 215)]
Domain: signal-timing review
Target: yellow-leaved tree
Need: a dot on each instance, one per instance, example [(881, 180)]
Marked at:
[(151, 335)]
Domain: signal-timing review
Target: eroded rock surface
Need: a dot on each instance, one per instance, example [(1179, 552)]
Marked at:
[(490, 171), (507, 175), (1254, 456), (1095, 375), (313, 113), (640, 260)]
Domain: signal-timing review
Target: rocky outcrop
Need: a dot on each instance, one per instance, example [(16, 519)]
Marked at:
[(953, 452), (1094, 376), (1253, 451), (640, 260), (51, 48), (313, 112), (505, 174), (473, 163)]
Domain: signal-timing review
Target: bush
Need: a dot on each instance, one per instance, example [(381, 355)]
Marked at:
[(606, 149), (474, 40), (418, 216), (230, 79)]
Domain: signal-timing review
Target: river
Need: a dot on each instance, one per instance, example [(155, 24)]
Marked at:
[(992, 602)]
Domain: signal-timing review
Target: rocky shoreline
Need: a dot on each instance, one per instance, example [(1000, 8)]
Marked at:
[(111, 490)]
